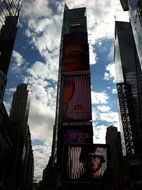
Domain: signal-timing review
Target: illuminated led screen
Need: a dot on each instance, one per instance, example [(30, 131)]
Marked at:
[(78, 135), (77, 98), (87, 163), (75, 58)]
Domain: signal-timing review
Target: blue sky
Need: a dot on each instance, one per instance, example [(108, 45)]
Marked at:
[(35, 61)]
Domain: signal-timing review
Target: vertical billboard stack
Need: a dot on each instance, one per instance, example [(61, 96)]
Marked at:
[(74, 118), (73, 147)]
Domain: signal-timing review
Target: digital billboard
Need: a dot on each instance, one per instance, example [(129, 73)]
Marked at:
[(87, 163), (75, 38), (77, 98), (75, 58), (78, 134)]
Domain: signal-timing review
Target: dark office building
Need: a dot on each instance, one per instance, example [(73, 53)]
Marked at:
[(5, 149), (21, 97), (129, 80), (21, 139), (135, 12), (9, 13), (113, 139)]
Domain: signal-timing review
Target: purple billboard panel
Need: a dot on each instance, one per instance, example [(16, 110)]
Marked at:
[(87, 163), (77, 98), (78, 135)]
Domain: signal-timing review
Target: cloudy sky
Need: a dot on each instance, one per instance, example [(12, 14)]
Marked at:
[(35, 61)]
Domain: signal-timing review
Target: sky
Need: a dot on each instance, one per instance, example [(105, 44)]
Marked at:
[(35, 61)]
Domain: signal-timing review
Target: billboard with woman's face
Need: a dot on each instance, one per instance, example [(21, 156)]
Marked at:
[(77, 98), (87, 163)]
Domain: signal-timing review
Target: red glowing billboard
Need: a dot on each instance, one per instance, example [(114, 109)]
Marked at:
[(87, 163), (77, 98), (75, 58)]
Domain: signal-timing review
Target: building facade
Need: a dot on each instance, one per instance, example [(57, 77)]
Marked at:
[(113, 139), (129, 80), (20, 104), (9, 13), (19, 132), (135, 12)]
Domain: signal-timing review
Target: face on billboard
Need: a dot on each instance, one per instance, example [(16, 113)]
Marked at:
[(87, 163), (77, 98)]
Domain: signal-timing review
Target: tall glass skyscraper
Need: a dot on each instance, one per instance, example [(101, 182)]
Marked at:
[(9, 13), (135, 12), (129, 80)]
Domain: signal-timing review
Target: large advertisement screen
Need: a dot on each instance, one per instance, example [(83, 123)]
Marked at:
[(75, 38), (76, 57), (78, 134), (77, 98), (87, 163)]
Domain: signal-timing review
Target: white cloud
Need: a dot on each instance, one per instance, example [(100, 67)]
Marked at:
[(17, 61), (114, 91), (103, 108), (110, 73), (109, 117), (36, 8), (99, 134), (99, 97), (111, 53), (17, 58), (41, 119), (92, 56), (43, 71), (41, 153)]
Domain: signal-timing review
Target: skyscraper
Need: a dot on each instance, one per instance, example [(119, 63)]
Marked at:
[(73, 113), (129, 80), (20, 105), (73, 109), (135, 12), (21, 138), (9, 13), (114, 140)]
